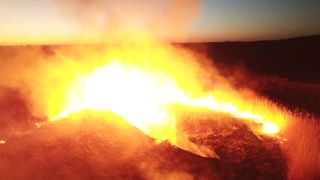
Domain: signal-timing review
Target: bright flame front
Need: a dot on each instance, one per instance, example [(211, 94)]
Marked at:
[(137, 96), (144, 93)]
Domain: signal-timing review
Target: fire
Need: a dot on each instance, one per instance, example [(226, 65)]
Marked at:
[(137, 96), (270, 128), (142, 84)]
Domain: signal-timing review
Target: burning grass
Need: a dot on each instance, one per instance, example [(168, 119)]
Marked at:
[(146, 85)]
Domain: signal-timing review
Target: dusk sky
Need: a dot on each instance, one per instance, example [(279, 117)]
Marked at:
[(41, 21), (254, 19)]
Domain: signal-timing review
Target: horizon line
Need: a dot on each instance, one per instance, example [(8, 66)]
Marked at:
[(170, 42)]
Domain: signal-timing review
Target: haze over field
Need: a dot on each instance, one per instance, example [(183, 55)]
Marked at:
[(71, 21)]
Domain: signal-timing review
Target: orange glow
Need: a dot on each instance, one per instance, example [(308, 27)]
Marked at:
[(142, 83)]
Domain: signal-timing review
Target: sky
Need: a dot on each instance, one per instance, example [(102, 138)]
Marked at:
[(258, 19), (42, 21)]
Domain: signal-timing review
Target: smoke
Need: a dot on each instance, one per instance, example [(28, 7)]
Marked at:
[(127, 20), (35, 72)]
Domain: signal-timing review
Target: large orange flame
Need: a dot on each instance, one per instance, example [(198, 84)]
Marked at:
[(142, 82)]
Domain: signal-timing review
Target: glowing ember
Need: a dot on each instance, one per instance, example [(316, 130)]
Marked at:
[(2, 141), (38, 125)]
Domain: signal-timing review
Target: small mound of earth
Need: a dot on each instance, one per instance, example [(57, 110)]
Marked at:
[(98, 146), (251, 156)]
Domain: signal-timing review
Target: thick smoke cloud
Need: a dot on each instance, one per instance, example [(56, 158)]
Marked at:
[(126, 19)]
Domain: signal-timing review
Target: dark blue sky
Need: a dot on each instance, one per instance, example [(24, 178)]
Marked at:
[(41, 21), (257, 19)]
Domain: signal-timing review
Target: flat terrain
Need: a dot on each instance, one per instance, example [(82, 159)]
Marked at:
[(284, 71)]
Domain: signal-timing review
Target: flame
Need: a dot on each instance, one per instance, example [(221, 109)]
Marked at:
[(143, 83), (270, 128)]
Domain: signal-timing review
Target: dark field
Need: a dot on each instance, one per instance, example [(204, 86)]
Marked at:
[(286, 71)]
